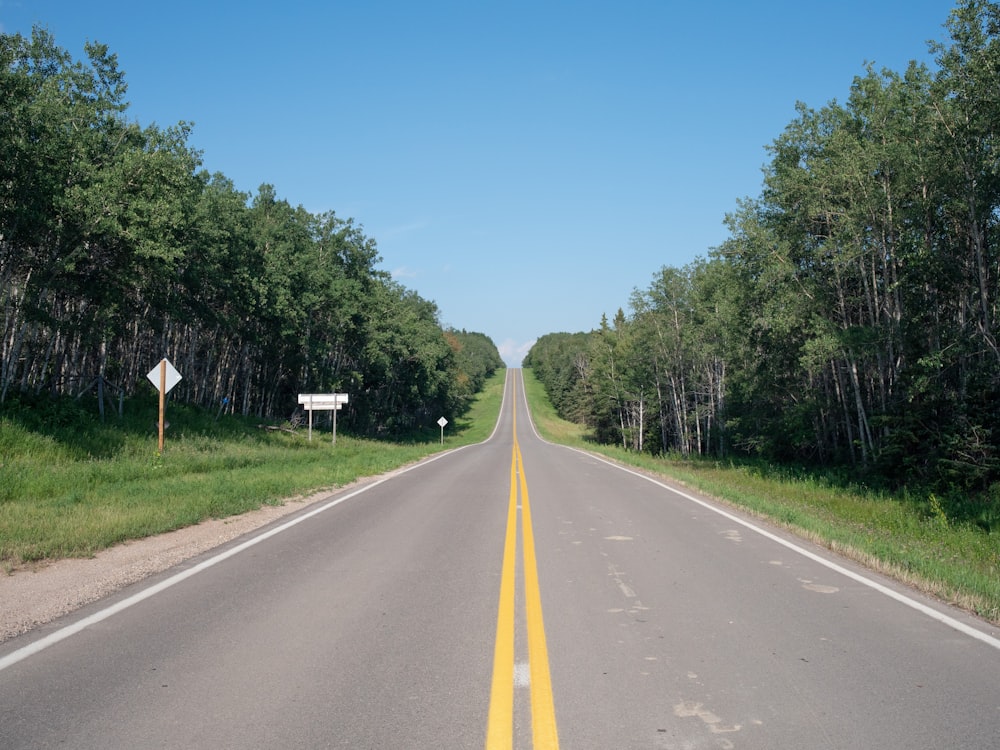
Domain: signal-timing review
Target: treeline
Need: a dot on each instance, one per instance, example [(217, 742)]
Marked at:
[(117, 249), (851, 317)]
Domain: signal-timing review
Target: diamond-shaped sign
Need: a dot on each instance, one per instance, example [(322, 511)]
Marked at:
[(172, 376)]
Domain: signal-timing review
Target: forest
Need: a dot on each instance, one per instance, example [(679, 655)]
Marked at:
[(118, 249), (850, 318)]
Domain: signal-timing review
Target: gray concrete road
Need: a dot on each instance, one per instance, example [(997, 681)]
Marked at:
[(374, 621)]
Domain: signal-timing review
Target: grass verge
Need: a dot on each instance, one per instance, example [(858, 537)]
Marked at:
[(906, 538), (70, 486)]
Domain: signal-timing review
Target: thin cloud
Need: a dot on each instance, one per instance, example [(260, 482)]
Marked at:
[(513, 352), (396, 231)]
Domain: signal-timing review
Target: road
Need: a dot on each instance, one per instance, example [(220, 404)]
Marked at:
[(509, 594)]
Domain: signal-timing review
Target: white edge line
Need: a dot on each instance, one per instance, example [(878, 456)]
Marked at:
[(63, 633), (885, 590), (934, 614)]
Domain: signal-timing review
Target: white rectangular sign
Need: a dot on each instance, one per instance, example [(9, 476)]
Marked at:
[(323, 402), (320, 401)]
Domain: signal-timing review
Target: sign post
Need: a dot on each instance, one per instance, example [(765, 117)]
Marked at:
[(441, 423), (163, 377), (332, 401)]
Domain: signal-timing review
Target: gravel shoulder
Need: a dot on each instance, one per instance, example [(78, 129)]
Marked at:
[(33, 595)]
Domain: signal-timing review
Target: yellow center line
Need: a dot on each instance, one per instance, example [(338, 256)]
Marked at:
[(499, 732), (500, 727), (543, 712)]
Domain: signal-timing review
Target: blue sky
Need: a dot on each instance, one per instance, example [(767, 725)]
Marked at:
[(526, 165)]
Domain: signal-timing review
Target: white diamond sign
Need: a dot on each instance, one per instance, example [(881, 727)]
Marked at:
[(172, 376)]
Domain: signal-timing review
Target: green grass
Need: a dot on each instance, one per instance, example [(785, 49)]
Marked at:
[(911, 539), (71, 486)]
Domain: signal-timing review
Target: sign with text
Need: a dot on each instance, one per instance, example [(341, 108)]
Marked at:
[(333, 402), (321, 401)]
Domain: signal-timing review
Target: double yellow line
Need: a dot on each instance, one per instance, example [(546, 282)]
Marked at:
[(500, 726)]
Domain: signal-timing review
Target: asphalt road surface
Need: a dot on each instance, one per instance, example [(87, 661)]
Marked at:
[(508, 594)]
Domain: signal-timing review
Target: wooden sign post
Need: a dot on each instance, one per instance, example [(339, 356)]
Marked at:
[(163, 377)]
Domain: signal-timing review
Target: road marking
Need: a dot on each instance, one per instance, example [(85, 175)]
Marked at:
[(507, 673), (500, 724), (910, 602), (944, 619), (69, 630), (543, 712), (522, 675)]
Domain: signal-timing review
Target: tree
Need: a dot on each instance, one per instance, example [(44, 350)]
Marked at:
[(115, 250)]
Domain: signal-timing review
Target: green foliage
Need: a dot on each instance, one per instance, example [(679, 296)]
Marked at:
[(72, 486), (917, 539), (560, 362), (116, 249), (850, 320)]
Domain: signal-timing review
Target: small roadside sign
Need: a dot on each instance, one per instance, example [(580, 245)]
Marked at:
[(163, 377), (323, 400), (333, 402), (441, 423)]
